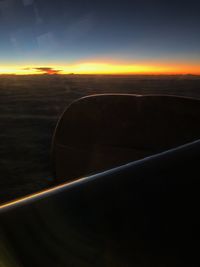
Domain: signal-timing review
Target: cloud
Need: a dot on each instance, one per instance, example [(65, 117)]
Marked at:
[(45, 70), (48, 70)]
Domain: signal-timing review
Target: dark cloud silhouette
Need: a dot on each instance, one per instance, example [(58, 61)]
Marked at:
[(45, 70), (48, 70)]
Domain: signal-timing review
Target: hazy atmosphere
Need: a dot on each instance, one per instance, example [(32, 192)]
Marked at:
[(140, 36)]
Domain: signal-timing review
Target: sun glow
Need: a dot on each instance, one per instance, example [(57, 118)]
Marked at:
[(102, 68)]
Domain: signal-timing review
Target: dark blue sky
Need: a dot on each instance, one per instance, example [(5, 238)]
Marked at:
[(64, 32)]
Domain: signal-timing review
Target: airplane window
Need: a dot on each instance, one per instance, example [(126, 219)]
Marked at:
[(99, 133), (55, 52)]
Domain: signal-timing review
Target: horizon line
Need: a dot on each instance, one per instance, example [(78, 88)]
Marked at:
[(89, 68), (102, 74)]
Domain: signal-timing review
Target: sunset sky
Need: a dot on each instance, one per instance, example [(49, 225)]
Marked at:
[(90, 36)]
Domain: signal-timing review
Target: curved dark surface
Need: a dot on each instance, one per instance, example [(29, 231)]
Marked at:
[(100, 132), (145, 213)]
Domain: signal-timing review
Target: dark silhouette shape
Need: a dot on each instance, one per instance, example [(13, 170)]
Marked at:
[(46, 70), (100, 132), (145, 213)]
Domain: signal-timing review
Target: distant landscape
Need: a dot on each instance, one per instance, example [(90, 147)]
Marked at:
[(29, 110)]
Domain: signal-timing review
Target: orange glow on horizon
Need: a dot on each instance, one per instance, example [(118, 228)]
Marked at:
[(104, 68)]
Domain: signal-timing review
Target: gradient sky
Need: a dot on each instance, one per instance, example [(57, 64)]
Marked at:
[(89, 34)]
